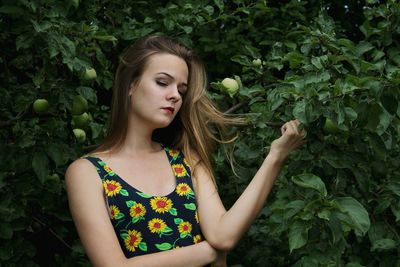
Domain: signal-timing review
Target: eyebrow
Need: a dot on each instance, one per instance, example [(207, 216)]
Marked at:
[(172, 77)]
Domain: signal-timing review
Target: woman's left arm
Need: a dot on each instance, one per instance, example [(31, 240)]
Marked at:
[(223, 229)]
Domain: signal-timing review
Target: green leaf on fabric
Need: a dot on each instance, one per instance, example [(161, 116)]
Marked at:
[(164, 246), (173, 211), (130, 203), (143, 246), (178, 220), (190, 206), (143, 195), (124, 192)]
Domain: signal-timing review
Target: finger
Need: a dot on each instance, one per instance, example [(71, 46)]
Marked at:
[(283, 128), (292, 125)]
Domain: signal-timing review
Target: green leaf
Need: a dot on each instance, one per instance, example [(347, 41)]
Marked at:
[(143, 195), (164, 246), (130, 203), (88, 93), (384, 244), (394, 186), (107, 38), (390, 103), (56, 152), (167, 230), (119, 216), (324, 214), (190, 206), (363, 47), (143, 246), (308, 180), (220, 4), (6, 230), (173, 211), (356, 212), (384, 122), (40, 164), (123, 192), (351, 113), (178, 220), (183, 235), (298, 235), (135, 219)]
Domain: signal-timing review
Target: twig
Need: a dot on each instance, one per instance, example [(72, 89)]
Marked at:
[(53, 233), (235, 107), (10, 121)]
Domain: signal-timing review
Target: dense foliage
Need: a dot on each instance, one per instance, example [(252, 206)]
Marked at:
[(334, 66)]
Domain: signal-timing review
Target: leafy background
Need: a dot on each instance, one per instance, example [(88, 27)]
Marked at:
[(336, 202)]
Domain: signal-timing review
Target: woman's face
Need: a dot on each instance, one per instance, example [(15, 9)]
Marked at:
[(157, 97)]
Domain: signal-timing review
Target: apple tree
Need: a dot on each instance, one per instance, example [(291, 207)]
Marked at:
[(334, 65)]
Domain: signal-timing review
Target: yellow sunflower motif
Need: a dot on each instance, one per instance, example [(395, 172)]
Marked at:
[(185, 228), (186, 162), (114, 211), (161, 204), (197, 239), (196, 216), (156, 225), (174, 153), (107, 169), (133, 240), (179, 170), (111, 187), (183, 189), (137, 210)]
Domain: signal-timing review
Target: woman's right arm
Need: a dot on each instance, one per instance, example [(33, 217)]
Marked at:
[(90, 215)]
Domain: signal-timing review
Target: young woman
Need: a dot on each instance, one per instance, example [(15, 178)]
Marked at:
[(147, 195)]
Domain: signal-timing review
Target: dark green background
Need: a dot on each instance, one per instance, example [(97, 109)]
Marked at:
[(336, 202)]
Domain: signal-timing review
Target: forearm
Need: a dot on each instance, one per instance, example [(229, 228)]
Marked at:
[(236, 221), (199, 254)]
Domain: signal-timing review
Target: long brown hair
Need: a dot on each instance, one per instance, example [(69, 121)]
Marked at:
[(192, 129)]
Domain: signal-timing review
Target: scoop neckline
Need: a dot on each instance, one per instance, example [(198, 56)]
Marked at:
[(134, 188)]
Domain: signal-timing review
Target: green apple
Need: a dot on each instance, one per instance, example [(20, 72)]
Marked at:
[(89, 74), (79, 105), (256, 62), (80, 135), (40, 106), (54, 178), (81, 121), (230, 85), (330, 126)]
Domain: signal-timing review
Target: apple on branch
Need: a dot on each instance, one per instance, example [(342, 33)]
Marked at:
[(41, 106)]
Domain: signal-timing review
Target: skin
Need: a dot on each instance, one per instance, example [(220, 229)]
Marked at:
[(163, 84)]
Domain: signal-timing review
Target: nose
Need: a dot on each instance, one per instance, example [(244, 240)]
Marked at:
[(174, 94)]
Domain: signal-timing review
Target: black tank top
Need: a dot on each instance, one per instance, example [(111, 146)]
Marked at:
[(147, 224)]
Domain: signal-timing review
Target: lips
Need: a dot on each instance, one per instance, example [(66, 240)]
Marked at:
[(169, 109)]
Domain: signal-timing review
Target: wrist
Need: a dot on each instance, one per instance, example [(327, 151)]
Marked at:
[(276, 157), (209, 252)]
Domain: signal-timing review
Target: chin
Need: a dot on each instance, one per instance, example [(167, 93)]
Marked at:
[(163, 124)]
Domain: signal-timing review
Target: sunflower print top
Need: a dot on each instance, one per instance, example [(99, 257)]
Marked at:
[(147, 224)]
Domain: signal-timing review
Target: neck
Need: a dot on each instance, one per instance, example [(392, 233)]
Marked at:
[(138, 140)]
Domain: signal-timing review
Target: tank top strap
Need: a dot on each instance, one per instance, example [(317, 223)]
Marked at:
[(99, 164), (179, 165)]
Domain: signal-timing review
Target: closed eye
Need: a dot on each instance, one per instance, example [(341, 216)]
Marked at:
[(162, 83)]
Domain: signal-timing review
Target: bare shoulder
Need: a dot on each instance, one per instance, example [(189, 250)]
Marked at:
[(81, 171), (200, 175)]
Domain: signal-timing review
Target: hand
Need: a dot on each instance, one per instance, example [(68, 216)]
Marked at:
[(292, 137), (221, 259)]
